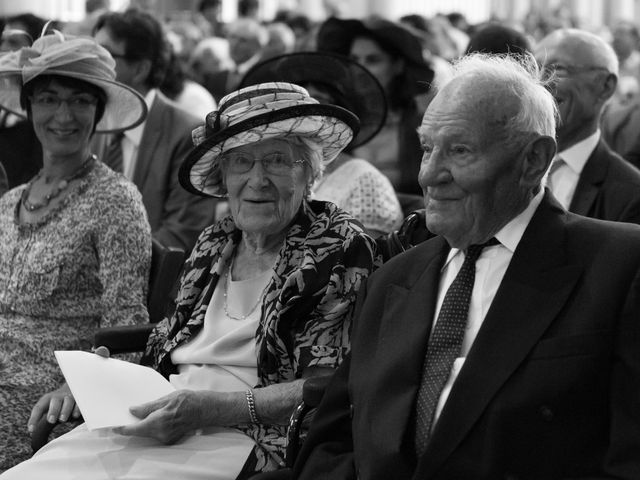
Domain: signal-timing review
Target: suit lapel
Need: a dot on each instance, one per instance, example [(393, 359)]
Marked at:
[(408, 316), (536, 285), (591, 178), (151, 137)]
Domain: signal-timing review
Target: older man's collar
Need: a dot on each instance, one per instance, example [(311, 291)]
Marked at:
[(576, 156)]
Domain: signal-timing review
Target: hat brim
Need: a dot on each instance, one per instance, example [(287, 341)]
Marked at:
[(332, 127), (352, 85), (336, 35), (125, 108)]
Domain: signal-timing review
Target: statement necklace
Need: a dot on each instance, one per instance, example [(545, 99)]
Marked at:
[(62, 185), (225, 306)]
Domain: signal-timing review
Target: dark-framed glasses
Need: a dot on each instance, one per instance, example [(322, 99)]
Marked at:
[(276, 163), (79, 103), (559, 70)]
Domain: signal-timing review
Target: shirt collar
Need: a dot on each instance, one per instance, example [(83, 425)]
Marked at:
[(576, 156), (509, 236), (134, 135)]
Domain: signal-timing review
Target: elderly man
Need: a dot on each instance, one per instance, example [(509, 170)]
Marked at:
[(151, 154), (523, 365), (587, 177)]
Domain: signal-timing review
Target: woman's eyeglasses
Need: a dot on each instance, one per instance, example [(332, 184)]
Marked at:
[(76, 103), (276, 163)]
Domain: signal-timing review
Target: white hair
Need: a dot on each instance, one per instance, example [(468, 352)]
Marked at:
[(537, 112)]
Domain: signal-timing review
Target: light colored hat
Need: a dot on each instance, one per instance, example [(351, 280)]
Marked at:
[(260, 112), (75, 57)]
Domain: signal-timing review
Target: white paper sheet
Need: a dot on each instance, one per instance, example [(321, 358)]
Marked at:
[(105, 388)]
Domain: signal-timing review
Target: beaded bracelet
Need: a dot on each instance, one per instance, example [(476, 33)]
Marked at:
[(251, 403)]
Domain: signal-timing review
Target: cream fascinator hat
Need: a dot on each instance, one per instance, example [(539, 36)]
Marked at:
[(259, 112), (75, 57)]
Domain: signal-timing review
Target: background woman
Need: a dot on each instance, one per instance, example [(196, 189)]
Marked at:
[(75, 243), (393, 54), (265, 300)]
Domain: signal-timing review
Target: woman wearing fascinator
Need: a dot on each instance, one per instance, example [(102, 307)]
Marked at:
[(75, 244), (265, 301)]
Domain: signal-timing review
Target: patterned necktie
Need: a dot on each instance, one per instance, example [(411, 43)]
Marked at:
[(113, 153), (445, 344)]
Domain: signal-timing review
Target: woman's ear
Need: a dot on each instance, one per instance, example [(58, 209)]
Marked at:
[(538, 155)]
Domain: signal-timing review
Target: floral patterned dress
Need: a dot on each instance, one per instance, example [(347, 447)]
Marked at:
[(82, 266)]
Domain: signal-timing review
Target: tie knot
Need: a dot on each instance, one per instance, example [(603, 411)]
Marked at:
[(473, 251)]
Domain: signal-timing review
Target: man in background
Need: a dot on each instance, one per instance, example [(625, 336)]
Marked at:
[(586, 176), (151, 154)]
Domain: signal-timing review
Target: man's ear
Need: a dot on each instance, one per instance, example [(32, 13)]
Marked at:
[(538, 155), (142, 72), (609, 87)]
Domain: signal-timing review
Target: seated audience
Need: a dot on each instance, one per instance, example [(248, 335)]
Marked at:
[(352, 183), (531, 369), (75, 243), (586, 177), (393, 54), (265, 300), (281, 40), (247, 37)]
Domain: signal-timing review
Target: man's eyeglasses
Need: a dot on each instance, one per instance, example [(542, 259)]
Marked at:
[(80, 103), (556, 70), (276, 163)]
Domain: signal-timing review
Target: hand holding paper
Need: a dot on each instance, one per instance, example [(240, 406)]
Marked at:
[(105, 388)]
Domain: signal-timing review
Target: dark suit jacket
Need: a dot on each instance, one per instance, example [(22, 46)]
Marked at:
[(620, 125), (609, 188), (4, 184), (176, 216), (549, 390), (20, 152)]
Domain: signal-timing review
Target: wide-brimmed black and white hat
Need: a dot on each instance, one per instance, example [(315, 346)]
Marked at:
[(75, 57), (256, 113)]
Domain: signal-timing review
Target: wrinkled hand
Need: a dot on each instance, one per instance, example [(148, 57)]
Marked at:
[(167, 419), (59, 405)]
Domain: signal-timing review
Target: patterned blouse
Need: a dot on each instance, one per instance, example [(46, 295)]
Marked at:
[(362, 190), (305, 313), (88, 257)]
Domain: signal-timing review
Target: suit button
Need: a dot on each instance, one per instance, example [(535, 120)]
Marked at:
[(351, 410), (546, 413)]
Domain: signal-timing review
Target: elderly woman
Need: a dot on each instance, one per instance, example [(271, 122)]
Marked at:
[(75, 244), (352, 183), (265, 300)]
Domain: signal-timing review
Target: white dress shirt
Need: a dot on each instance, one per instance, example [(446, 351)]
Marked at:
[(490, 269), (131, 141), (565, 178)]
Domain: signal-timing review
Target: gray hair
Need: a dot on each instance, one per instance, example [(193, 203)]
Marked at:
[(311, 152), (537, 113)]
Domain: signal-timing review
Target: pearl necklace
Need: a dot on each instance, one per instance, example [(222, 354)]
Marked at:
[(225, 306), (59, 188)]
